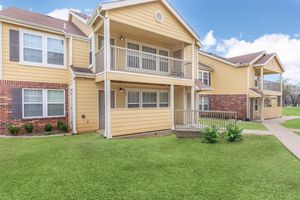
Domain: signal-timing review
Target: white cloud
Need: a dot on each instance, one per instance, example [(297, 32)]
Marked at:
[(287, 48), (209, 40), (62, 13), (1, 6)]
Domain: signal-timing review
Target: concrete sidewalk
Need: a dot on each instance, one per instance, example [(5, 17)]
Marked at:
[(286, 136)]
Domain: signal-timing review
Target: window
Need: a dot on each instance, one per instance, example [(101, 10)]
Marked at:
[(256, 105), (32, 48), (100, 42), (42, 49), (133, 99), (204, 77), (33, 103), (148, 60), (204, 103), (55, 51), (163, 61), (56, 103), (163, 99), (39, 103), (133, 59), (149, 99)]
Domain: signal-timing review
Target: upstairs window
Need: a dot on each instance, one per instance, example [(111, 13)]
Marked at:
[(42, 50), (204, 77), (32, 48)]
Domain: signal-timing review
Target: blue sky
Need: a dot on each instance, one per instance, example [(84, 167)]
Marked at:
[(228, 27)]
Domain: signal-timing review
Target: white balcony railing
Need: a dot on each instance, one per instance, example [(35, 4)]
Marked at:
[(123, 59), (268, 85)]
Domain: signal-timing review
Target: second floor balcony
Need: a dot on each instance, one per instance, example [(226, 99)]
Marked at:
[(268, 85), (144, 62)]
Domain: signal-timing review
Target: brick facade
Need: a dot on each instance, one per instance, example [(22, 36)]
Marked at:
[(231, 102), (6, 88)]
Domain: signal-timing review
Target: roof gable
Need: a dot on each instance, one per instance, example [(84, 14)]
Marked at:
[(273, 64), (125, 3), (247, 58)]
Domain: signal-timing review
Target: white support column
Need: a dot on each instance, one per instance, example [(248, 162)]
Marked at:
[(107, 42), (193, 103), (172, 105), (193, 62), (94, 51), (107, 93), (262, 109), (262, 78), (71, 51)]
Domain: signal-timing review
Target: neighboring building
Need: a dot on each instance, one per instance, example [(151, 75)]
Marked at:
[(124, 70), (238, 84)]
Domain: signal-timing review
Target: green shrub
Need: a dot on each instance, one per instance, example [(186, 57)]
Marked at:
[(13, 130), (62, 126), (211, 134), (59, 123), (233, 133), (28, 128), (48, 127)]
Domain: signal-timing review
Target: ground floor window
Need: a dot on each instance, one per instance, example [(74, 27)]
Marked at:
[(39, 103), (147, 99), (204, 103)]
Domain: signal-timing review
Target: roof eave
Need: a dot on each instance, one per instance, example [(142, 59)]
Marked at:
[(219, 59)]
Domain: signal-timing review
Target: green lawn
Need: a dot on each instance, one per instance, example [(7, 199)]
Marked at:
[(291, 111), (252, 125), (293, 124), (298, 133), (89, 167)]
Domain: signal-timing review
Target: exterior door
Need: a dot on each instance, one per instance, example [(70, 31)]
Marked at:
[(101, 104)]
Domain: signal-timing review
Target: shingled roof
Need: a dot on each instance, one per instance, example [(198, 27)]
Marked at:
[(40, 19), (245, 59)]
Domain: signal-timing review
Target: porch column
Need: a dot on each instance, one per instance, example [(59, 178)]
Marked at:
[(107, 94), (262, 109), (107, 43), (262, 79), (93, 50), (172, 106), (193, 103)]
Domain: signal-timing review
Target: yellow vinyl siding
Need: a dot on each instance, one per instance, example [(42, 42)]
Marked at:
[(16, 71), (274, 66), (80, 53), (142, 16), (272, 112), (83, 27), (226, 79), (87, 104), (129, 121)]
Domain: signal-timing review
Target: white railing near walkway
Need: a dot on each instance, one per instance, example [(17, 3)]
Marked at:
[(128, 60), (194, 120)]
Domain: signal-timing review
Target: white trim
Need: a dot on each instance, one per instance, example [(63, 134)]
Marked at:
[(193, 62), (71, 51), (209, 75), (78, 17), (44, 50), (74, 106), (277, 57), (201, 99), (150, 75), (107, 96), (248, 88), (1, 64), (216, 58), (172, 106), (44, 103)]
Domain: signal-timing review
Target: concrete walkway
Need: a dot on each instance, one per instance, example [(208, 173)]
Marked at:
[(286, 136)]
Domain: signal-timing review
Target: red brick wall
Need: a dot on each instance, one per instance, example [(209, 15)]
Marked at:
[(6, 105), (232, 102)]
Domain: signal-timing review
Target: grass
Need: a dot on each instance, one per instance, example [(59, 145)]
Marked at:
[(291, 111), (292, 124), (252, 125), (298, 133), (89, 167)]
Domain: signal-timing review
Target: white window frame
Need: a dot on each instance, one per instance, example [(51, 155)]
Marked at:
[(201, 77), (146, 103), (44, 62), (157, 55), (44, 103), (140, 91), (201, 99)]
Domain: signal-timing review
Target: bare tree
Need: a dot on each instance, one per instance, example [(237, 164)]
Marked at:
[(290, 93)]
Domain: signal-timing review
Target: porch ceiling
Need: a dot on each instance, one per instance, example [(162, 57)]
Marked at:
[(133, 33)]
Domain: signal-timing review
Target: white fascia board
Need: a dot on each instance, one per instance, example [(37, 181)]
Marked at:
[(216, 58)]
